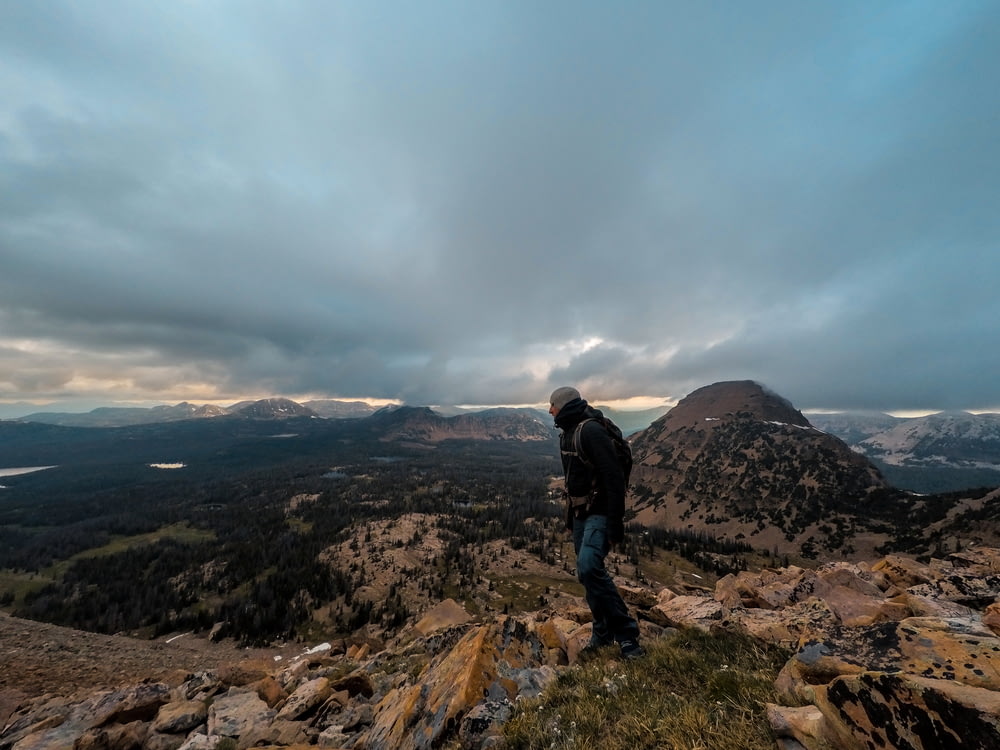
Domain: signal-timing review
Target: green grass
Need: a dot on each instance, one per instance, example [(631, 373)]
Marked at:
[(21, 583), (520, 592), (692, 691)]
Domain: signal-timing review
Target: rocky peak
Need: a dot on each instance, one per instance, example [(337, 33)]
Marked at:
[(734, 459), (736, 398)]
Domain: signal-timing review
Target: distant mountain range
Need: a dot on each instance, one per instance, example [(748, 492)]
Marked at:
[(269, 408), (950, 439), (282, 408)]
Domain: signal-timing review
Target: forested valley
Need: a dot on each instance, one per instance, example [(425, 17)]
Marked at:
[(261, 550)]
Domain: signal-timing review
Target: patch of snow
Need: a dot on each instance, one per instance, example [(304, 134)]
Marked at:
[(314, 650), (167, 466), (799, 426), (13, 472)]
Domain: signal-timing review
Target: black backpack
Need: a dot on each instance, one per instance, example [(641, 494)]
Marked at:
[(622, 449)]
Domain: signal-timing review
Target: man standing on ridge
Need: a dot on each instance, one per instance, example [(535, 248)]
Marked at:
[(595, 485)]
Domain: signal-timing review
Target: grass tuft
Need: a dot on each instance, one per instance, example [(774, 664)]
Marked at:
[(692, 691)]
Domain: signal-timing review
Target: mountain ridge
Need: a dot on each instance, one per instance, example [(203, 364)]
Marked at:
[(736, 459)]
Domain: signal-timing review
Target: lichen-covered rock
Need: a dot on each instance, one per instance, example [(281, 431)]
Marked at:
[(896, 683), (804, 725), (554, 632), (854, 608), (180, 716), (200, 685), (903, 572), (356, 683), (306, 698), (136, 703), (236, 713), (421, 715), (963, 586), (879, 709), (691, 611), (158, 741), (199, 741), (279, 732), (131, 736), (483, 721)]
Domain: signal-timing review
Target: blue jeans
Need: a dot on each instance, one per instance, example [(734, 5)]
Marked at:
[(612, 621)]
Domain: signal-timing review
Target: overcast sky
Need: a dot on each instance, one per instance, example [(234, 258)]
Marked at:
[(476, 202)]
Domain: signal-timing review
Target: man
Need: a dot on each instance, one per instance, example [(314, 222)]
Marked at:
[(595, 485)]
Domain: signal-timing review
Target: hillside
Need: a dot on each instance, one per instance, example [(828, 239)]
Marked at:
[(733, 459), (422, 424), (38, 658)]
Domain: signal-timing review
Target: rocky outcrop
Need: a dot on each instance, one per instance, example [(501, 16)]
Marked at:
[(895, 655), (449, 680), (892, 655)]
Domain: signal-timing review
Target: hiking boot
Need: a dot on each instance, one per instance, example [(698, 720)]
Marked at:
[(595, 643), (632, 650), (593, 646)]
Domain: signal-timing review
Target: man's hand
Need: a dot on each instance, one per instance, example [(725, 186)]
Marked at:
[(616, 533)]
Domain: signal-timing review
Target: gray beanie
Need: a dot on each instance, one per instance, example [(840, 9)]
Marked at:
[(562, 396)]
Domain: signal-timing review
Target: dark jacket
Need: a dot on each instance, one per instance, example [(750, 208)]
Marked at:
[(603, 477)]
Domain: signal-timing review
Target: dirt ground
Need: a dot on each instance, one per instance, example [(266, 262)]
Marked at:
[(37, 658)]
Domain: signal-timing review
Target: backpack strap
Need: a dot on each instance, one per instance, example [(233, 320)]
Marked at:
[(577, 505), (578, 440)]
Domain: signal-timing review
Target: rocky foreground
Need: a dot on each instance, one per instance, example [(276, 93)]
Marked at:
[(893, 654)]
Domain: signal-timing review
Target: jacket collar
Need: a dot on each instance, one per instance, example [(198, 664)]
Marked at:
[(572, 414)]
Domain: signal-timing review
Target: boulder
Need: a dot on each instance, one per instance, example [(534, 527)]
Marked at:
[(243, 673), (356, 683), (130, 736), (448, 613), (180, 717), (478, 668), (690, 611), (236, 713), (903, 572), (895, 683), (136, 703), (279, 732), (306, 699), (898, 710), (199, 741), (483, 721), (806, 726)]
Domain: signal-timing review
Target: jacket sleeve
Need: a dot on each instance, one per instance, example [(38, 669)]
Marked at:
[(597, 445)]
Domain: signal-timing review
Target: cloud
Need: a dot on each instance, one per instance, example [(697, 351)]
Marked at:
[(444, 204)]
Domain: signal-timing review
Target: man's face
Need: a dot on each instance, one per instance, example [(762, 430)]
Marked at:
[(553, 410)]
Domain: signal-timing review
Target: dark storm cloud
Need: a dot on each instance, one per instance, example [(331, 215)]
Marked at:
[(473, 203)]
